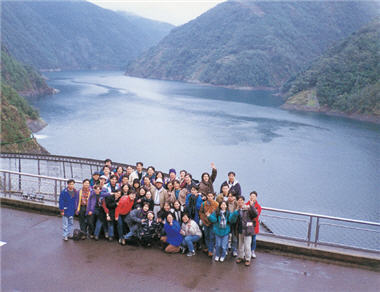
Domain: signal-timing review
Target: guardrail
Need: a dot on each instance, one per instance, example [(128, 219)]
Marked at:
[(311, 229)]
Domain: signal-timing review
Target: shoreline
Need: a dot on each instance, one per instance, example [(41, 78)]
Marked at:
[(330, 112)]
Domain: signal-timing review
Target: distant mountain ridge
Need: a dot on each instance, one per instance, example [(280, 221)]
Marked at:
[(74, 35), (251, 43), (345, 79)]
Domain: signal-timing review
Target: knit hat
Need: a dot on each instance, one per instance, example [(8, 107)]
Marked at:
[(172, 170)]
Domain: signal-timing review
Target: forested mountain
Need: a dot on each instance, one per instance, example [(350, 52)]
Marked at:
[(346, 78), (252, 43), (16, 113), (74, 35)]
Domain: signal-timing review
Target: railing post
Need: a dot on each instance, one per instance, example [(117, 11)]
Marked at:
[(71, 168), (316, 233), (64, 169), (309, 230), (39, 173), (9, 184), (19, 177), (55, 192)]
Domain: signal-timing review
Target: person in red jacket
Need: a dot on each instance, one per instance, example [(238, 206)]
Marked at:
[(124, 206), (253, 199)]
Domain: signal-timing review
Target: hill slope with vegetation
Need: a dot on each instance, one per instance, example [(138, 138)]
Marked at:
[(345, 79), (74, 35), (251, 44), (16, 113)]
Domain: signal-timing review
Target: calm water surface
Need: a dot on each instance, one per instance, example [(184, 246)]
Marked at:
[(298, 161)]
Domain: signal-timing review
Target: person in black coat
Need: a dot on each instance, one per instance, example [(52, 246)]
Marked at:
[(149, 230), (110, 204)]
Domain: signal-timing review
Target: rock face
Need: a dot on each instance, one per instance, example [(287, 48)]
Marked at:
[(251, 44), (345, 80)]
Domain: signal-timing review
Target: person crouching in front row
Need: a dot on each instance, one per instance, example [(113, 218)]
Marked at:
[(173, 236), (192, 234)]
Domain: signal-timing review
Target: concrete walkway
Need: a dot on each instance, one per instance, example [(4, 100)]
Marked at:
[(35, 258)]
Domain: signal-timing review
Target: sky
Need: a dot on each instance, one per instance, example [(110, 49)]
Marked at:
[(176, 12)]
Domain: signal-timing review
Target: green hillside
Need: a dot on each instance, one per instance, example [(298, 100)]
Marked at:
[(16, 113), (254, 44), (346, 78), (74, 35)]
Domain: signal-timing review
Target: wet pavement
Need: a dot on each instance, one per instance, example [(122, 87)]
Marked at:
[(35, 258)]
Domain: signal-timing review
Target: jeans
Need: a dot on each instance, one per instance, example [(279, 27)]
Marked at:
[(110, 228), (253, 244), (209, 238), (98, 227), (120, 225), (132, 231), (83, 224), (245, 247), (189, 240), (67, 223), (221, 244)]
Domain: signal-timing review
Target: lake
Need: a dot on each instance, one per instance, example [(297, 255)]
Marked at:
[(299, 161)]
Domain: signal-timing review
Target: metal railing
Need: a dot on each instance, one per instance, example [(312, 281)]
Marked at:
[(315, 229), (44, 176)]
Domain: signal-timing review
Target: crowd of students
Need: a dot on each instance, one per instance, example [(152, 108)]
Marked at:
[(180, 214)]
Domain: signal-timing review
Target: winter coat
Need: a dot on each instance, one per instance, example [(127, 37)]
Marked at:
[(192, 229), (148, 231), (207, 207), (134, 217), (258, 209), (170, 197), (172, 232), (182, 196), (246, 223), (109, 205), (193, 204), (215, 219), (67, 203), (124, 207), (135, 175), (234, 188), (91, 201), (162, 193), (149, 201), (207, 187), (112, 189)]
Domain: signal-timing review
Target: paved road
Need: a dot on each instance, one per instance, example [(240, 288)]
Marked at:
[(36, 258)]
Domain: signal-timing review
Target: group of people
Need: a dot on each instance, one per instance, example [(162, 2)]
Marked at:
[(180, 213)]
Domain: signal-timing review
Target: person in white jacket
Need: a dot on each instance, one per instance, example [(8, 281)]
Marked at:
[(191, 233)]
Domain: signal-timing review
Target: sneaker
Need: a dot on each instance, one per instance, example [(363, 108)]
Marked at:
[(216, 259), (91, 236), (65, 238), (234, 253), (253, 254), (96, 238), (239, 260), (84, 237), (106, 235), (247, 263), (190, 253), (221, 259)]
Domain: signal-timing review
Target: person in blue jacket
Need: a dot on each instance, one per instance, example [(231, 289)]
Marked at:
[(221, 219), (173, 236), (67, 206)]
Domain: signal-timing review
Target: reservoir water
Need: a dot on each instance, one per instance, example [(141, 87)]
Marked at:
[(299, 161)]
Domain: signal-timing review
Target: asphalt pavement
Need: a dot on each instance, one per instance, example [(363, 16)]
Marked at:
[(35, 258)]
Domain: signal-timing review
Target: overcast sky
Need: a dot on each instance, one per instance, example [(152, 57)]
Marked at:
[(176, 12)]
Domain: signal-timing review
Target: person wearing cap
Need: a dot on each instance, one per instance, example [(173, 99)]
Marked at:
[(205, 186), (159, 196), (138, 173), (172, 176), (95, 178)]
